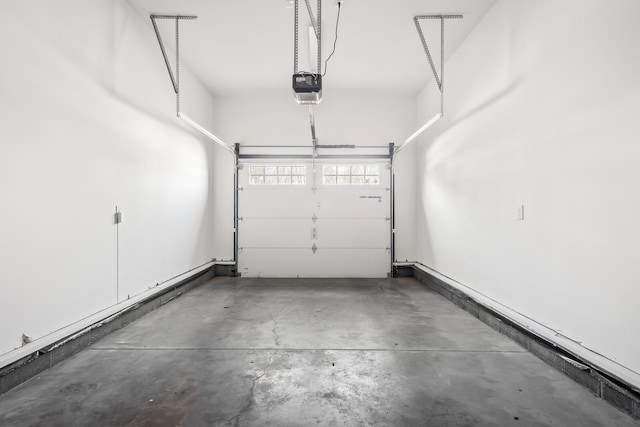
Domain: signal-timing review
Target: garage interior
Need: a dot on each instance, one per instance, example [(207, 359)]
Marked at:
[(320, 212)]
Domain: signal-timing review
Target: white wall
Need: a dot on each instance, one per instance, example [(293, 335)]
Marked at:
[(343, 117), (542, 110), (87, 122)]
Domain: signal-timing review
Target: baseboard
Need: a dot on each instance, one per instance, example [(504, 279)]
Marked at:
[(44, 358), (226, 269), (614, 391)]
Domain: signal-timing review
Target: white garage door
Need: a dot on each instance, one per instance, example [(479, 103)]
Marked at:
[(294, 222)]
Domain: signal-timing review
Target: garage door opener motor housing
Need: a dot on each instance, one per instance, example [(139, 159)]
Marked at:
[(307, 88)]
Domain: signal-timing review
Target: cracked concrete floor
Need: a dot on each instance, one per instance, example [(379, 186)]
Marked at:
[(302, 352)]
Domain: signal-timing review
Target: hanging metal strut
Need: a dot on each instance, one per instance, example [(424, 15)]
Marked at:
[(312, 122), (175, 79), (439, 78), (316, 22), (313, 20)]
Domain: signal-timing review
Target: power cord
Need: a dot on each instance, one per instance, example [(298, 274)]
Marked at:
[(335, 40)]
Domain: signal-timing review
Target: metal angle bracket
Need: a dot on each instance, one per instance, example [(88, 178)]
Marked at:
[(314, 21), (416, 20), (175, 79), (439, 78)]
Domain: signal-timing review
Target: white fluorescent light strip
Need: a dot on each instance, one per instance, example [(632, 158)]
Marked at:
[(206, 133), (419, 131)]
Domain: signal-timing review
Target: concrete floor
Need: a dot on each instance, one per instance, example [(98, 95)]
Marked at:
[(306, 352)]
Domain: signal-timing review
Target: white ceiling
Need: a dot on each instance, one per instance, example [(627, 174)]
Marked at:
[(239, 45)]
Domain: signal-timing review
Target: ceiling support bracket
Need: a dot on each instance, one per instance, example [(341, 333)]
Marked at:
[(416, 20), (175, 78), (316, 22), (438, 77)]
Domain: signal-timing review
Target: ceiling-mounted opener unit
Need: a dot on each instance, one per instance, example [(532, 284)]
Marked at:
[(438, 78), (307, 85)]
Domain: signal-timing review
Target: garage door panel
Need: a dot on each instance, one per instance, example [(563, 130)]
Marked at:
[(277, 203), (362, 203), (371, 263), (353, 233), (276, 233)]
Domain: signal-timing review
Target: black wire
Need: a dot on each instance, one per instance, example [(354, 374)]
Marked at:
[(334, 40)]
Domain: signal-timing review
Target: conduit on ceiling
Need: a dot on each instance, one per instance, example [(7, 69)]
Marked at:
[(438, 78), (175, 78)]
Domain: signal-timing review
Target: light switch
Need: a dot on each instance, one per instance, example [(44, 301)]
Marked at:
[(521, 213)]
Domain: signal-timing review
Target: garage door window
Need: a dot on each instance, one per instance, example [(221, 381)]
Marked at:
[(351, 175), (278, 175)]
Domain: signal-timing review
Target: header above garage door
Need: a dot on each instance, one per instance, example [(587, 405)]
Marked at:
[(315, 152)]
